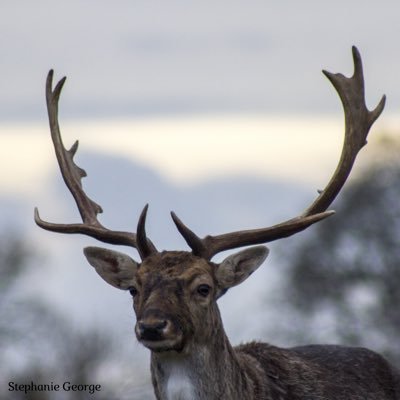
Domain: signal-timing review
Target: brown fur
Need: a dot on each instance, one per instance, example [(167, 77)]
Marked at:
[(191, 357)]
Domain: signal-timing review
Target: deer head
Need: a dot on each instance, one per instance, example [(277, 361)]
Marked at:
[(175, 292)]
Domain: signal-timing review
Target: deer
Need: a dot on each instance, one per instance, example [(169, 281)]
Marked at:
[(175, 293)]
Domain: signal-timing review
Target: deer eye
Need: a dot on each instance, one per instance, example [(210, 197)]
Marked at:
[(133, 291), (203, 290)]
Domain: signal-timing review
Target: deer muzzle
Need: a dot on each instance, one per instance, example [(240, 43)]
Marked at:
[(158, 333)]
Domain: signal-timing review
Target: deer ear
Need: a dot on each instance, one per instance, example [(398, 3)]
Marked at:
[(115, 268), (239, 266)]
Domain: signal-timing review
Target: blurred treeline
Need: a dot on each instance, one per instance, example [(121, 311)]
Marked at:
[(342, 281), (38, 345)]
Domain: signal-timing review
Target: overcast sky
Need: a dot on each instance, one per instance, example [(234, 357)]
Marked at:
[(128, 58)]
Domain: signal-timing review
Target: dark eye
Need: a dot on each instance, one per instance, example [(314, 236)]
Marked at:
[(203, 290), (133, 291)]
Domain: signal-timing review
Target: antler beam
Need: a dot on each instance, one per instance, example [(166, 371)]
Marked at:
[(358, 121), (72, 175)]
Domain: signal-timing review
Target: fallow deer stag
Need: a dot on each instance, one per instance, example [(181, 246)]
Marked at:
[(175, 292)]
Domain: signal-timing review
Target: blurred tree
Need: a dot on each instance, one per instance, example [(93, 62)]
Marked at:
[(344, 278), (36, 345)]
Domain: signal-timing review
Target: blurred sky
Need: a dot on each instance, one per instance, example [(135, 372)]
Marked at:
[(184, 151), (127, 57), (167, 80)]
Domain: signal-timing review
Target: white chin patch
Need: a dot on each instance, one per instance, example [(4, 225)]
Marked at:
[(179, 386)]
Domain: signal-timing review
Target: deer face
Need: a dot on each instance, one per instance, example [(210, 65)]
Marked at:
[(174, 293)]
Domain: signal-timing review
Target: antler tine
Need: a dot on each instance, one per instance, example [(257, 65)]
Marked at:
[(358, 121), (144, 246), (72, 175), (195, 243)]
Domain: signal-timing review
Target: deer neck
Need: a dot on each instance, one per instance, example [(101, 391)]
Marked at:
[(201, 372)]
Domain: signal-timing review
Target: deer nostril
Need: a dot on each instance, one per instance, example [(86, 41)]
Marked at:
[(152, 330), (163, 324)]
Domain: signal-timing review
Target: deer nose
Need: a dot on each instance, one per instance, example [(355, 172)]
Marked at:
[(152, 329)]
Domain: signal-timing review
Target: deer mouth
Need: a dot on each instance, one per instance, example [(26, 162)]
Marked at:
[(161, 342), (159, 337), (163, 345)]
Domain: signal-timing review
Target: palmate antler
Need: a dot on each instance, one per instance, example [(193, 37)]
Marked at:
[(72, 175), (358, 121)]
